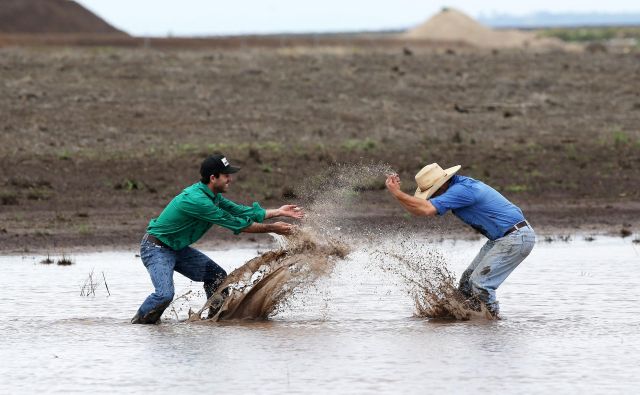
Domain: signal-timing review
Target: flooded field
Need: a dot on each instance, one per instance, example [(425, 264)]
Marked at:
[(570, 324)]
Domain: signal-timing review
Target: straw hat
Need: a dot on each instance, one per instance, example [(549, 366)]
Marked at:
[(431, 178)]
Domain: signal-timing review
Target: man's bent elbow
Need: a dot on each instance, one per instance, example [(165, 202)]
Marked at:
[(427, 211), (424, 209)]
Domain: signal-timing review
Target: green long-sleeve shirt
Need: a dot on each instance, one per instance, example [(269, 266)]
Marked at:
[(192, 213)]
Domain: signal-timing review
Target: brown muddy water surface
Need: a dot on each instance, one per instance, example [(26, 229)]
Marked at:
[(570, 324)]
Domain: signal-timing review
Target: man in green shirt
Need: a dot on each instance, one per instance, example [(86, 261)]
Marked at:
[(165, 247)]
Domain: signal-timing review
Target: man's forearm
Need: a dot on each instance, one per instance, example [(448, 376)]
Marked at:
[(272, 212), (414, 205), (259, 228)]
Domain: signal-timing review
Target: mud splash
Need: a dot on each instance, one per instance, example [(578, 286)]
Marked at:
[(424, 271), (256, 289), (261, 285), (332, 196)]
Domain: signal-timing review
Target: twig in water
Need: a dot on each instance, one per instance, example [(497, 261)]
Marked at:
[(89, 287), (183, 296), (105, 284)]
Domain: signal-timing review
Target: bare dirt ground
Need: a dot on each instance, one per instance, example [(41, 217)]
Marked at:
[(96, 140)]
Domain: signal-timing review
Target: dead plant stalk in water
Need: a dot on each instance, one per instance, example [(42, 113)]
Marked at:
[(89, 287)]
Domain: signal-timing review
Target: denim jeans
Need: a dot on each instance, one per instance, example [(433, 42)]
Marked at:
[(493, 264), (160, 263)]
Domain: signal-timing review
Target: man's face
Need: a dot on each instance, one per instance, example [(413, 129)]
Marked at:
[(221, 184), (442, 189)]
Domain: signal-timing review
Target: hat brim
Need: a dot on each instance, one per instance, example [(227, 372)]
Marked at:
[(429, 192), (230, 170)]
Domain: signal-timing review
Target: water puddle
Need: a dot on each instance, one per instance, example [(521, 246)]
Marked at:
[(326, 311)]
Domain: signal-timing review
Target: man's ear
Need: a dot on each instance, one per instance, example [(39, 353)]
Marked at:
[(212, 178)]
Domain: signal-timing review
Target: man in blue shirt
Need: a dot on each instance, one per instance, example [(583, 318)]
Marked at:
[(511, 238)]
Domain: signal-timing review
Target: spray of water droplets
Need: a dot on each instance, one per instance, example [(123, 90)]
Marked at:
[(261, 287)]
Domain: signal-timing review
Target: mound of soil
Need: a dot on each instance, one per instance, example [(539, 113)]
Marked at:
[(455, 26), (50, 16)]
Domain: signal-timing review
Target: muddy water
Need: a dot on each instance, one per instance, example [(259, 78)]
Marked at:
[(570, 324)]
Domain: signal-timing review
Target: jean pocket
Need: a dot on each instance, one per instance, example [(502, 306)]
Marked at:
[(147, 251), (528, 241)]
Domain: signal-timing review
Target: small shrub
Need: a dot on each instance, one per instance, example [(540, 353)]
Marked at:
[(582, 34), (128, 185), (84, 229), (571, 152), (64, 155), (620, 138), (270, 146), (187, 148), (47, 260), (65, 261), (38, 194), (359, 145), (516, 188)]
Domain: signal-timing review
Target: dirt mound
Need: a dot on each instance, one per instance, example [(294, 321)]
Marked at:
[(450, 25), (50, 16), (455, 26)]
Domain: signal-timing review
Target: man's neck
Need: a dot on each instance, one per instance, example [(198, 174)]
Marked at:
[(212, 189)]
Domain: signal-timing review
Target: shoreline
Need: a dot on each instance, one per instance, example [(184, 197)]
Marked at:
[(265, 242), (372, 215)]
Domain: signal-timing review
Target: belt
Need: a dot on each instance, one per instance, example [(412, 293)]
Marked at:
[(515, 227), (156, 241)]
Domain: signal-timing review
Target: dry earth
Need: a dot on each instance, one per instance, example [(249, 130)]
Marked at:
[(95, 141)]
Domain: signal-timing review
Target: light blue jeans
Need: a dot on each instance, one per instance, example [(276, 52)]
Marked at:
[(161, 263), (493, 264)]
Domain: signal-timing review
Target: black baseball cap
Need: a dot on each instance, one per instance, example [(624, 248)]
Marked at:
[(216, 164)]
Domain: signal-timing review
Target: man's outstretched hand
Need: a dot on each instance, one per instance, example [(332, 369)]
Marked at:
[(393, 183), (291, 210), (281, 228)]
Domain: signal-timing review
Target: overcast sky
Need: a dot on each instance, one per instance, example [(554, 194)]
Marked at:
[(219, 17)]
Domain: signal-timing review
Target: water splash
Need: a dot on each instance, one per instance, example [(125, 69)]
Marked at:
[(257, 289), (263, 284), (424, 271), (332, 195)]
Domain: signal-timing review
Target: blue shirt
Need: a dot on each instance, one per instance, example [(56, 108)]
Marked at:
[(479, 206)]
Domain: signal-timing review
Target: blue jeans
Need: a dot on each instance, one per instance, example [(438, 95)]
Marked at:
[(493, 264), (160, 263)]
